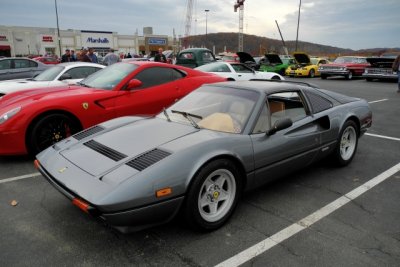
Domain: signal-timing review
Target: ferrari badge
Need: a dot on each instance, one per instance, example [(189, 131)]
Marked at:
[(85, 105)]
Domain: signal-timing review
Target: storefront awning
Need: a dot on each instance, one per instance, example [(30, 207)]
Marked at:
[(5, 47)]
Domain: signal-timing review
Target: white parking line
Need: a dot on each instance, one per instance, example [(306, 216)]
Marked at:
[(384, 137), (2, 181), (306, 222), (376, 101)]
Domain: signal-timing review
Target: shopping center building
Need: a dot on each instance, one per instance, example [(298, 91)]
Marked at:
[(25, 41)]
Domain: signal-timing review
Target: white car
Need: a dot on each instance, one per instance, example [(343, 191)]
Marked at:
[(235, 71), (58, 75)]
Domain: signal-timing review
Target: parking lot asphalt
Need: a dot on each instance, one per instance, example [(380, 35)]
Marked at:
[(44, 229)]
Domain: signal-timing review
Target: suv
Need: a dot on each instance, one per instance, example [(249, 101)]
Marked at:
[(194, 57)]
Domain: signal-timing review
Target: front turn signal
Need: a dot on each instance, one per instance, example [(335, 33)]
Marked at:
[(164, 192)]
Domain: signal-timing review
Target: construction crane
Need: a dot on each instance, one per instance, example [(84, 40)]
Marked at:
[(188, 23), (240, 5)]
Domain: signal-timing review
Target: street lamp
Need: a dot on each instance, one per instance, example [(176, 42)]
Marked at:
[(298, 23), (58, 29), (206, 10)]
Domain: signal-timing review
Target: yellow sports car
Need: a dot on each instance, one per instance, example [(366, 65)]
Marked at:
[(305, 66)]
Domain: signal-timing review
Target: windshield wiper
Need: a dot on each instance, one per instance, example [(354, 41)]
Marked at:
[(189, 117), (166, 114), (84, 85)]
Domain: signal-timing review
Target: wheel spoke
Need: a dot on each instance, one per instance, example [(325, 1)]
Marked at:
[(213, 208)]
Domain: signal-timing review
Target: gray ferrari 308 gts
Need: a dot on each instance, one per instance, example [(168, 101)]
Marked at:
[(200, 154)]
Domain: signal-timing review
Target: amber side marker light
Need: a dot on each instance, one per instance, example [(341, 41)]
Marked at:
[(81, 204), (164, 192), (36, 163)]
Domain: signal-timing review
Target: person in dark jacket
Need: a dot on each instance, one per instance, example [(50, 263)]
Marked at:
[(84, 57), (66, 57), (160, 57)]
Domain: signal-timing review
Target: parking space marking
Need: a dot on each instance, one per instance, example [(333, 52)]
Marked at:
[(306, 222), (376, 101), (382, 136), (2, 181)]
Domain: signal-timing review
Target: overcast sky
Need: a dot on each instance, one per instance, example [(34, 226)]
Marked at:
[(354, 24)]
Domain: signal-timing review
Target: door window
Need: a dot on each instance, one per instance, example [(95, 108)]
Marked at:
[(157, 75), (5, 64)]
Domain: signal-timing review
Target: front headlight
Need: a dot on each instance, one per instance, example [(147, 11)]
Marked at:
[(9, 114)]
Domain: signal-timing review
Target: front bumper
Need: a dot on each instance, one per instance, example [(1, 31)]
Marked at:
[(125, 221), (12, 142), (334, 72)]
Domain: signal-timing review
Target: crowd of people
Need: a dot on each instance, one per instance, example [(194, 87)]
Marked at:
[(88, 55)]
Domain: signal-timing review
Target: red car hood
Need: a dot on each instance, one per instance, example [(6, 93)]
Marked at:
[(42, 93)]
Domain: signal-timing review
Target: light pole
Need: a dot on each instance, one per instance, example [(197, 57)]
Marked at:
[(206, 10), (298, 23), (58, 28)]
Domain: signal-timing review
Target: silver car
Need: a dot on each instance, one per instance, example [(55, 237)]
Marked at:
[(200, 154), (19, 68)]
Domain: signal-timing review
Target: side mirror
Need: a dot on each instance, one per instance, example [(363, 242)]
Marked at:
[(134, 83), (65, 76), (280, 125)]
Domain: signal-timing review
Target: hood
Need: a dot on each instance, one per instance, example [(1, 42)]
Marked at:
[(245, 57), (383, 62), (273, 59), (112, 149), (302, 58), (30, 95)]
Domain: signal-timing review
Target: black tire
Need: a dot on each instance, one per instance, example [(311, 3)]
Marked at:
[(324, 76), (50, 129), (275, 78), (311, 74), (347, 144), (206, 194), (369, 79), (349, 76)]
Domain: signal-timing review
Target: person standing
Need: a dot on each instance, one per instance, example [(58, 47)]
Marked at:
[(111, 58), (84, 57), (73, 56), (92, 56), (66, 57), (396, 68), (160, 57)]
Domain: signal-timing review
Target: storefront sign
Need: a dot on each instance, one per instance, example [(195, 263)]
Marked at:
[(47, 39), (97, 40), (3, 38), (157, 41)]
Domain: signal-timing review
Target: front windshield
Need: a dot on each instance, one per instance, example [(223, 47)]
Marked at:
[(110, 76), (314, 61), (214, 108), (342, 60), (49, 74)]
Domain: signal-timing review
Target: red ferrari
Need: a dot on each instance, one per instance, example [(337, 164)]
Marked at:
[(33, 120)]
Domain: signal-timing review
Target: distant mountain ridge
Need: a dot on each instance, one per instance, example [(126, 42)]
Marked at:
[(257, 45)]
